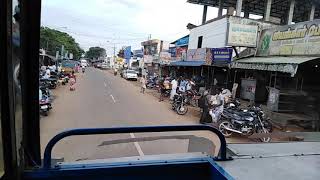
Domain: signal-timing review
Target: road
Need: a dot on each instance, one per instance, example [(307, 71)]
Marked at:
[(104, 100)]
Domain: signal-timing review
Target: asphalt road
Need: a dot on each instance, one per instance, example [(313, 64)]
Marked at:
[(104, 100)]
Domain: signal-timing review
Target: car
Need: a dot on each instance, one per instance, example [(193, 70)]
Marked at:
[(104, 66), (130, 75), (98, 65), (84, 63)]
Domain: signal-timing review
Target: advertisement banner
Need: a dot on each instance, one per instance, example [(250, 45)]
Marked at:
[(196, 54), (147, 58), (165, 57), (172, 51), (127, 53), (180, 53), (242, 35), (298, 39), (221, 55), (151, 49)]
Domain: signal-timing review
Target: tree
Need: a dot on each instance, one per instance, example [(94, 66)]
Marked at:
[(95, 52), (51, 40)]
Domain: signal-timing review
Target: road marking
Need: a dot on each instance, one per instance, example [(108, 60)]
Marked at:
[(112, 98), (136, 144)]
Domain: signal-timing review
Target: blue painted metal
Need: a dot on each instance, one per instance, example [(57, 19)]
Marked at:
[(194, 168), (119, 130), (187, 63)]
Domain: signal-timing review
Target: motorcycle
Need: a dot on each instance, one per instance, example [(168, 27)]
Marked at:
[(245, 122), (179, 104), (44, 105), (51, 82), (192, 98)]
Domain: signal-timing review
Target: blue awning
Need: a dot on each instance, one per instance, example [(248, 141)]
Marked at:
[(187, 63)]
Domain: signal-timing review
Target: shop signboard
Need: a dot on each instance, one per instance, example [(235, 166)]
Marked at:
[(196, 54), (242, 35), (221, 55), (182, 41), (298, 39)]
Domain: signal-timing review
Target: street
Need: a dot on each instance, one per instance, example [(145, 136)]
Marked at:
[(104, 100)]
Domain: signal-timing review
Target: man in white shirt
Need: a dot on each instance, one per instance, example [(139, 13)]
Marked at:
[(174, 85)]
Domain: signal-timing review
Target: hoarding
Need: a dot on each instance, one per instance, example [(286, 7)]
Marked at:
[(196, 54), (147, 58), (242, 35), (150, 49), (180, 53), (221, 55), (127, 53), (298, 39), (172, 51)]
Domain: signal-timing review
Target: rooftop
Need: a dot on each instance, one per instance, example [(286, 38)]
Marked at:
[(279, 8)]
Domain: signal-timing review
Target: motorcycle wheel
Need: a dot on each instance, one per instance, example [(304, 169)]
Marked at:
[(222, 125), (44, 113), (268, 125), (182, 110), (264, 139)]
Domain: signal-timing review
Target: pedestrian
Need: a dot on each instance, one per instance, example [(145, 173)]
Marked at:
[(217, 103), (143, 84), (174, 86), (162, 89), (73, 81), (204, 105), (182, 85)]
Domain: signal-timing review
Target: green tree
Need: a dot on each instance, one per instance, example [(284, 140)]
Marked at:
[(51, 40), (95, 52)]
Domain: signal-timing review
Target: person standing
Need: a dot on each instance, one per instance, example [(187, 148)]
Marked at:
[(217, 103), (162, 89), (143, 84), (174, 86), (204, 105)]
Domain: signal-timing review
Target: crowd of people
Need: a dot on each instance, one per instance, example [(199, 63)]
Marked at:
[(211, 104)]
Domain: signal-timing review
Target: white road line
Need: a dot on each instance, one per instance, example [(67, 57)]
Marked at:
[(112, 98), (136, 144)]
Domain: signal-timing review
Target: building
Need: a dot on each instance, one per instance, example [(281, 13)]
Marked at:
[(275, 58), (151, 54)]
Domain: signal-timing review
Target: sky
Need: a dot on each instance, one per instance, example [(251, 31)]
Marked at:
[(109, 23)]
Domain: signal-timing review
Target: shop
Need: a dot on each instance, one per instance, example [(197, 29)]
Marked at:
[(284, 73)]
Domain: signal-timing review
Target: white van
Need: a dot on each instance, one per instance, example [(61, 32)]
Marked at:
[(83, 63)]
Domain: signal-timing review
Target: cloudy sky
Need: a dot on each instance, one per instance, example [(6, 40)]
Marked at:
[(121, 22)]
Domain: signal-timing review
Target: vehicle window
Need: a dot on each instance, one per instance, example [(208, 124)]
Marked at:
[(131, 71), (242, 73)]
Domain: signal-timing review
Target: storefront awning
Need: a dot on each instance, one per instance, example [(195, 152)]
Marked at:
[(187, 63), (272, 63)]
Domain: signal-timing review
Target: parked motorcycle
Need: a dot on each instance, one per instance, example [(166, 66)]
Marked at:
[(245, 122), (51, 82), (44, 105)]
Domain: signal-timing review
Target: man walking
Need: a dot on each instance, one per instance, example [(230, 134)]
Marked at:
[(143, 84)]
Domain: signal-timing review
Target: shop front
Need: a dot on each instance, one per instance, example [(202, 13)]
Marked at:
[(284, 73)]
